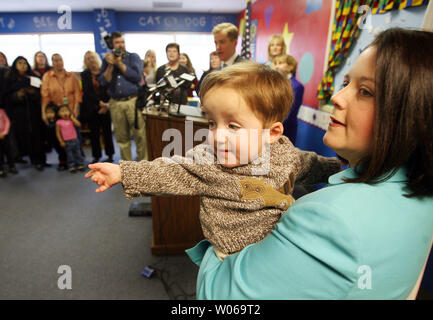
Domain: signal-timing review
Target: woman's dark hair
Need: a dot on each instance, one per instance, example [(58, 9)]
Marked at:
[(172, 45), (213, 53), (6, 59), (403, 125), (189, 64), (14, 72)]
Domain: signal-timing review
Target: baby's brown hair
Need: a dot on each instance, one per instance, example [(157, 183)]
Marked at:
[(268, 94)]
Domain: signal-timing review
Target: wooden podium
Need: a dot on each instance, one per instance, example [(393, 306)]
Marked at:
[(176, 225)]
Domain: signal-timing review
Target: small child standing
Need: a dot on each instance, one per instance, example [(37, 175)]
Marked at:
[(287, 65), (68, 138), (52, 140), (5, 145), (238, 177)]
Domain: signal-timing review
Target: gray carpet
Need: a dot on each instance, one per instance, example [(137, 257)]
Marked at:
[(51, 218)]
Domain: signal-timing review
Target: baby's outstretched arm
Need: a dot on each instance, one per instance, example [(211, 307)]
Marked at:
[(104, 174)]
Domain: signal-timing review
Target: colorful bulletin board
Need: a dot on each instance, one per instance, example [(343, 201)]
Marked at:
[(304, 25)]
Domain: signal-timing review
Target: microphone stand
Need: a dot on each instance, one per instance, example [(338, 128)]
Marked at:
[(178, 114)]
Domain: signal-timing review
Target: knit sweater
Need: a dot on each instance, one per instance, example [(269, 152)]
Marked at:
[(238, 206)]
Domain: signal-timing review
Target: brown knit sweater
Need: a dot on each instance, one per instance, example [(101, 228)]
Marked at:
[(238, 206)]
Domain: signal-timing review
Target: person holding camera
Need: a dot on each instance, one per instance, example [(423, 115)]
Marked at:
[(121, 72)]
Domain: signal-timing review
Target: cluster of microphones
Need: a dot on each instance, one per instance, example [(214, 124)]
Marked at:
[(168, 84)]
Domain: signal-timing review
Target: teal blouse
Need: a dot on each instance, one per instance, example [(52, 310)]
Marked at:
[(345, 241)]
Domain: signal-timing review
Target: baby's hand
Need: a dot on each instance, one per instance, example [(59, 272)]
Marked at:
[(104, 174)]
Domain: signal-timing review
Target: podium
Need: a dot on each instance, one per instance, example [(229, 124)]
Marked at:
[(175, 219)]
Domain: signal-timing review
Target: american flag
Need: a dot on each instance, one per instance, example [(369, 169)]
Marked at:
[(246, 50)]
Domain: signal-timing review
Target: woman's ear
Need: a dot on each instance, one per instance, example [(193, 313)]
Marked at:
[(276, 131)]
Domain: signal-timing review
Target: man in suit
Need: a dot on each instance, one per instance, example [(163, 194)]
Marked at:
[(226, 38)]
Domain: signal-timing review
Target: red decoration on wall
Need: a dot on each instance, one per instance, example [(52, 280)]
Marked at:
[(310, 34)]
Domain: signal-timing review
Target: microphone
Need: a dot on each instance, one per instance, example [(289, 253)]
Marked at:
[(184, 77), (187, 77), (179, 84), (160, 84), (172, 81)]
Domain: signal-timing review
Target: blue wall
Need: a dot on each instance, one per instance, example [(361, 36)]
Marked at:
[(101, 20)]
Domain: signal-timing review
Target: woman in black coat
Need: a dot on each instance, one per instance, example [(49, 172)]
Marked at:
[(24, 101), (94, 108)]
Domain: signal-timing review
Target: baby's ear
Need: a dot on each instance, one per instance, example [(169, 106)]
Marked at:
[(276, 131)]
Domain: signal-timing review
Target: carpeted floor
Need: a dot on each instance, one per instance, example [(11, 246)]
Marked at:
[(50, 218)]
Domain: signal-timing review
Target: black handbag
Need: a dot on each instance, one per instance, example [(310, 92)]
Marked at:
[(140, 103)]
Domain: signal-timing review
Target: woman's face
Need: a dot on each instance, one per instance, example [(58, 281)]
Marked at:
[(22, 66), (215, 61), (275, 48), (351, 128), (57, 63), (2, 60), (91, 61), (40, 59), (183, 60), (151, 57), (172, 54)]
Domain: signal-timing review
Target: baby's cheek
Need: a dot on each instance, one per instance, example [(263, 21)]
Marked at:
[(247, 147)]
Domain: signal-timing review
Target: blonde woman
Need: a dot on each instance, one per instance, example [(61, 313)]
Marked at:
[(150, 58), (94, 109), (276, 47)]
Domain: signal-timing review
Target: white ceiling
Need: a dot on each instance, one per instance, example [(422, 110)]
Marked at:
[(217, 6)]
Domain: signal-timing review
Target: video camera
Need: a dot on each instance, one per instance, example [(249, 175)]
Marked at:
[(109, 42)]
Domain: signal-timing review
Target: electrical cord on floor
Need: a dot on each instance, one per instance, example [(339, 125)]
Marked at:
[(162, 273)]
